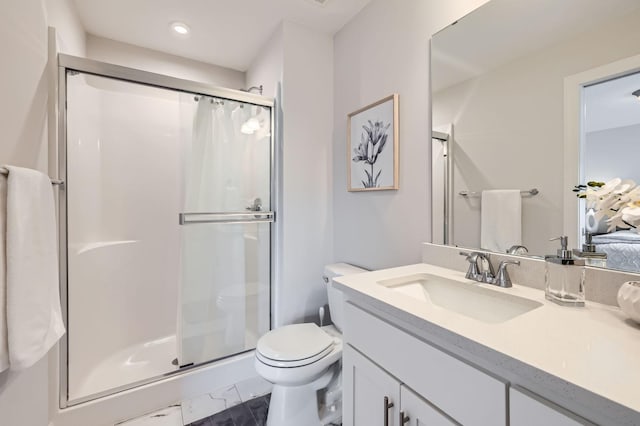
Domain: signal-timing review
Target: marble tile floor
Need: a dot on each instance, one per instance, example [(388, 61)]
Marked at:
[(243, 404), (250, 413), (248, 394)]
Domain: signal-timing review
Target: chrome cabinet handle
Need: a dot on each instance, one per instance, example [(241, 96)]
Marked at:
[(387, 406), (403, 419)]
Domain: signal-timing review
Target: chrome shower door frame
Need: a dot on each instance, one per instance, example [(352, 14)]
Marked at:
[(102, 69)]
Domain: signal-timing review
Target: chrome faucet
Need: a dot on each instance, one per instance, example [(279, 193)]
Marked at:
[(476, 270), (478, 273)]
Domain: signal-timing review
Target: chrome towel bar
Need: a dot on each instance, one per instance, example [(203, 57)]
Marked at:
[(529, 193), (5, 171)]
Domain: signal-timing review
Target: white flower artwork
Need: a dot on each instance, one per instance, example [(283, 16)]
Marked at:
[(372, 149)]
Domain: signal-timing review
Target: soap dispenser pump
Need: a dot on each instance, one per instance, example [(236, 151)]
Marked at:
[(564, 277)]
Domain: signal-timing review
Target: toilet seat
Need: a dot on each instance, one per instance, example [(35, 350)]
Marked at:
[(294, 345)]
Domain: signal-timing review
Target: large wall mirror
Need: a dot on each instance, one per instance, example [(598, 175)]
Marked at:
[(533, 98)]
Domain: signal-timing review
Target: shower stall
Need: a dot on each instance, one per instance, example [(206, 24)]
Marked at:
[(165, 225)]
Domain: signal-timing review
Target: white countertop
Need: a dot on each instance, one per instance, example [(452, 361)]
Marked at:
[(595, 348)]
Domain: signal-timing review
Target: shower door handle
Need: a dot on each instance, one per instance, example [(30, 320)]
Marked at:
[(230, 217)]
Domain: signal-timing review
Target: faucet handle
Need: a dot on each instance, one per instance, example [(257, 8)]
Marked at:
[(468, 255), (502, 277), (473, 272)]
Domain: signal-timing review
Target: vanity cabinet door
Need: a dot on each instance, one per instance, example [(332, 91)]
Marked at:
[(527, 409), (371, 396), (416, 411)]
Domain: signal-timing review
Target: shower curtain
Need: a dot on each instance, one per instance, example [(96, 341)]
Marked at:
[(211, 310)]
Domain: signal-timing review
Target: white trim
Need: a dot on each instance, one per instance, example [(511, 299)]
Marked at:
[(573, 88)]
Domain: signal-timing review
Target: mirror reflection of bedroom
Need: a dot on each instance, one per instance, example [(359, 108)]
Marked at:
[(610, 150)]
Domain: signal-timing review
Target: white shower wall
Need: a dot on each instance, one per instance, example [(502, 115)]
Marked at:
[(123, 203)]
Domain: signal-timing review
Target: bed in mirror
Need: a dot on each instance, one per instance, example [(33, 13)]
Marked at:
[(536, 97)]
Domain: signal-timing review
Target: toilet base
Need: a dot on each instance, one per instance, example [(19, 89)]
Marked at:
[(298, 405)]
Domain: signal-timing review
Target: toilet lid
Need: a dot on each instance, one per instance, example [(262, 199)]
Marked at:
[(294, 342)]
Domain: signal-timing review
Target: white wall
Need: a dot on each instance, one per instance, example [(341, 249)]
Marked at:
[(23, 47), (23, 117), (384, 50), (306, 179), (62, 15), (302, 61), (266, 68), (115, 52), (509, 130)]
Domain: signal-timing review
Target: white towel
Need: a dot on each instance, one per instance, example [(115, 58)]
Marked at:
[(501, 219), (34, 318)]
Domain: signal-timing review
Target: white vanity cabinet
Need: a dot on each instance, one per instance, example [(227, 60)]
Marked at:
[(376, 398), (527, 409), (470, 362), (381, 360)]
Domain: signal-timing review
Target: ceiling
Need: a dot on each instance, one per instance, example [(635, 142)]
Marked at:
[(530, 27), (228, 33)]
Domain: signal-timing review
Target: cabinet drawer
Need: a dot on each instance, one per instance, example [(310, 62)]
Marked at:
[(468, 395)]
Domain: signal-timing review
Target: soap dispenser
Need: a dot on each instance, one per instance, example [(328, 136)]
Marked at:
[(564, 277), (589, 253)]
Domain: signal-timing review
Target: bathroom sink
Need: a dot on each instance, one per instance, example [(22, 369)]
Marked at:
[(468, 299)]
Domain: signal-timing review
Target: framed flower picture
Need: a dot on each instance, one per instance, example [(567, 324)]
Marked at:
[(372, 146)]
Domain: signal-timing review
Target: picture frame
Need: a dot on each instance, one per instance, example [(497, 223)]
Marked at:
[(373, 146)]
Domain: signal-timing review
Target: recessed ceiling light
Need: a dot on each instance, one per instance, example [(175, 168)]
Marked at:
[(180, 28)]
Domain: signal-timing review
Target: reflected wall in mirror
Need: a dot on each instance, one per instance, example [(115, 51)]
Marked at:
[(499, 77)]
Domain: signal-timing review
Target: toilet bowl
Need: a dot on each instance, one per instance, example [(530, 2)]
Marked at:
[(303, 361)]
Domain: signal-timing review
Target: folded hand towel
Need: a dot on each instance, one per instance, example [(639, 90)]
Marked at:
[(34, 318), (500, 219)]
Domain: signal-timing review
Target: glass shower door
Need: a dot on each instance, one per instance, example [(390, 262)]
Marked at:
[(225, 229), (167, 208)]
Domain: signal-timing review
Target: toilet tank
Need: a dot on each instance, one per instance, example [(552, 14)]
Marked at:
[(336, 298)]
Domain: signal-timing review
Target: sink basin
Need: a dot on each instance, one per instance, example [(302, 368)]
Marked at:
[(467, 299)]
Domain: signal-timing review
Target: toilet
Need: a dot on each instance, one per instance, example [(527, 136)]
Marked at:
[(303, 361)]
